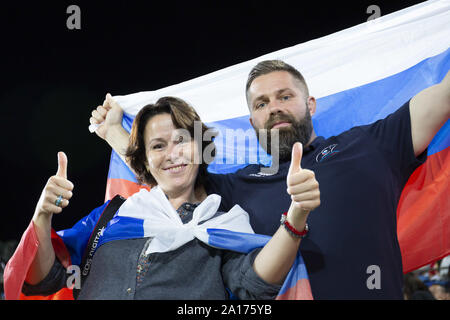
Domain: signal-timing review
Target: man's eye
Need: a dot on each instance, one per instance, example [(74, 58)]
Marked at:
[(286, 97), (260, 105)]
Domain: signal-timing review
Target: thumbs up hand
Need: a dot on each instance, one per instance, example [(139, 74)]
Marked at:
[(302, 186), (57, 191), (62, 165), (296, 159)]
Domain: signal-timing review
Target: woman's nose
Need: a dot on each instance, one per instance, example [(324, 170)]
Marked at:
[(174, 152)]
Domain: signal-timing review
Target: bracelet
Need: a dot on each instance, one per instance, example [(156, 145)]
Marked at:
[(294, 232)]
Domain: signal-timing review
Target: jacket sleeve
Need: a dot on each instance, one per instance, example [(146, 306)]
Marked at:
[(392, 136), (68, 245), (241, 279), (54, 281)]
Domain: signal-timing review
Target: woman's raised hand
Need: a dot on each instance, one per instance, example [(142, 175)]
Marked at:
[(106, 117), (107, 121), (57, 191)]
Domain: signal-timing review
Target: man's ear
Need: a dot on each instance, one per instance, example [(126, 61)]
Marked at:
[(311, 101), (251, 121)]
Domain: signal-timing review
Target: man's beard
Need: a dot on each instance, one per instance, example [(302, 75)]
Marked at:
[(298, 131)]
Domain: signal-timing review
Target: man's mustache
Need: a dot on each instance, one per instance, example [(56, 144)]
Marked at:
[(273, 120)]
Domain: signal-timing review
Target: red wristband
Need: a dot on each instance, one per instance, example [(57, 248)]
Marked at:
[(291, 229)]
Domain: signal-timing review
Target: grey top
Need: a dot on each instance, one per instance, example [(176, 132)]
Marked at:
[(120, 270)]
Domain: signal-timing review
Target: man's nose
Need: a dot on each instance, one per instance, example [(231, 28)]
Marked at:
[(275, 107)]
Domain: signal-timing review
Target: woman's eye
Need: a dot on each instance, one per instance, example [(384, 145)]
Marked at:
[(157, 146)]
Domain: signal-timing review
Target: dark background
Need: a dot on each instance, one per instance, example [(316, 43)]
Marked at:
[(52, 77)]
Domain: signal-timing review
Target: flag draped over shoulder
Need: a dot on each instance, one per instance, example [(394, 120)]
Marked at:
[(358, 75), (136, 219)]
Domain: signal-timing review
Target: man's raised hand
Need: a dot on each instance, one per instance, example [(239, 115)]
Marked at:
[(302, 185)]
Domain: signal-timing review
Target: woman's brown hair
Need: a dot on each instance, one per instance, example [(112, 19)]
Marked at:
[(183, 117)]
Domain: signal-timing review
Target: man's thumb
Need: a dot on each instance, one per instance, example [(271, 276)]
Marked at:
[(296, 159), (62, 165)]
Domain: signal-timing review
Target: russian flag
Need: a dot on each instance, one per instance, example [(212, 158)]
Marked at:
[(358, 76)]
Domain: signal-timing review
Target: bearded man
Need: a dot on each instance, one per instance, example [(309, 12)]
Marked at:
[(351, 250)]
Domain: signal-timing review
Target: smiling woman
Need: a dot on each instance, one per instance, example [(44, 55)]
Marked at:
[(158, 237), (163, 151)]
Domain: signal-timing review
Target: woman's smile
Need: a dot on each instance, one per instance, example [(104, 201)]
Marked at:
[(176, 169)]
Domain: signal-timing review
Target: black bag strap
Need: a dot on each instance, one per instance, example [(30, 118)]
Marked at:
[(107, 214)]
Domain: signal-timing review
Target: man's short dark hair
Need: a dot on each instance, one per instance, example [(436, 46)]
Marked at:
[(268, 66)]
